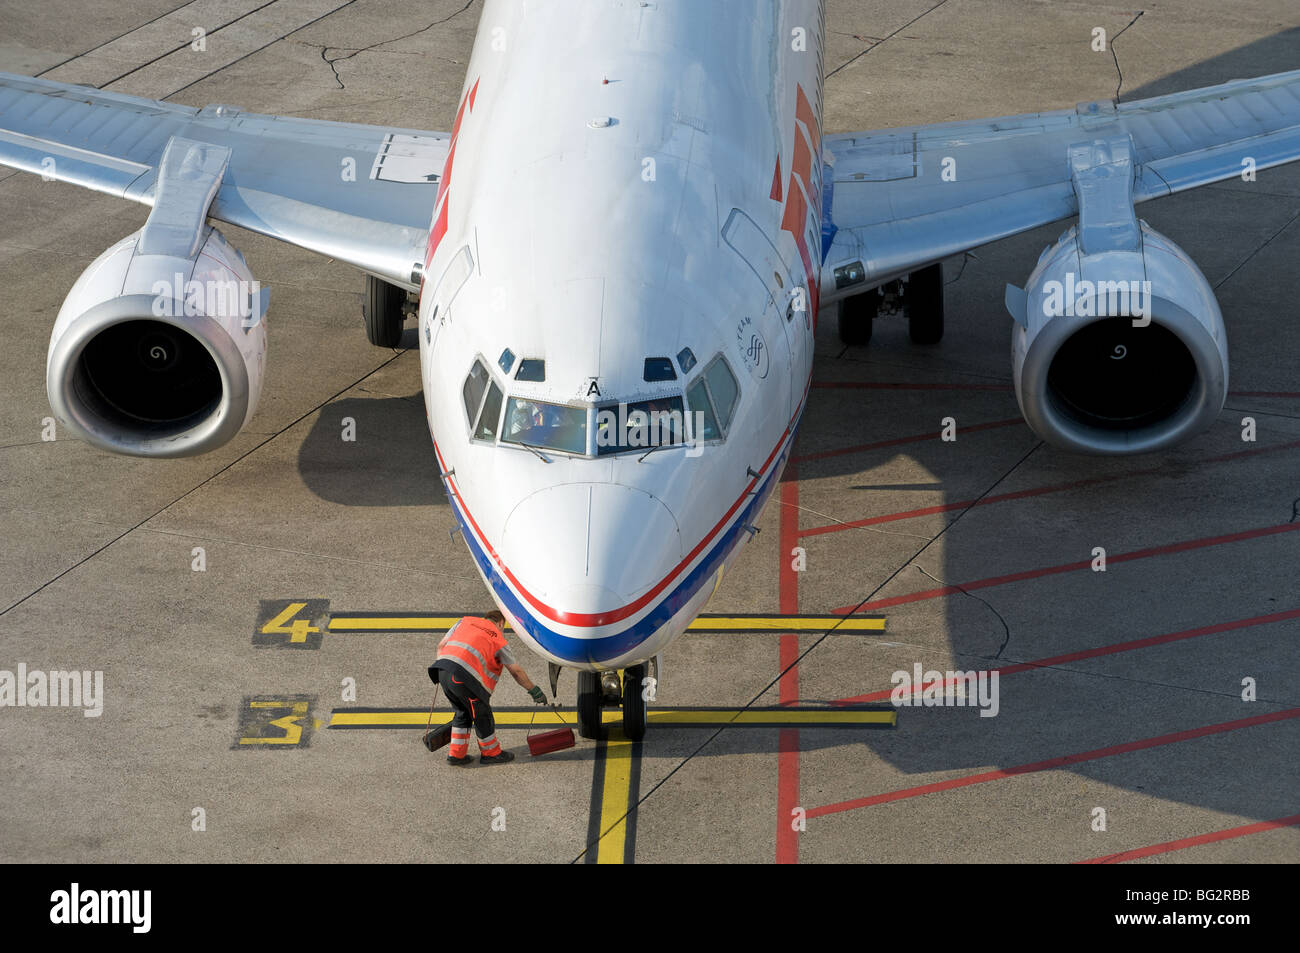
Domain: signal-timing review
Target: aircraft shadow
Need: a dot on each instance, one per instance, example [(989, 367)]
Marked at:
[(399, 467)]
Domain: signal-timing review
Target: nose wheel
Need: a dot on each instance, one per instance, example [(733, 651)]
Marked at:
[(591, 697), (599, 690), (634, 717)]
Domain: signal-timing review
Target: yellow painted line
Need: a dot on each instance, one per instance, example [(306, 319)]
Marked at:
[(788, 623), (433, 623), (766, 623), (614, 802), (792, 717), (699, 717)]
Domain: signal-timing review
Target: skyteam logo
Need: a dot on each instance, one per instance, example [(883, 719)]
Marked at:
[(753, 349), (1098, 299)]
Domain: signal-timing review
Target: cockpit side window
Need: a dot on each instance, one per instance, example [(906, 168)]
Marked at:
[(491, 415), (473, 390), (482, 402), (714, 395), (697, 399), (724, 390)]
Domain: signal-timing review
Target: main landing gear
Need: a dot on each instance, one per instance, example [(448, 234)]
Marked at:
[(385, 308), (600, 690), (919, 297)]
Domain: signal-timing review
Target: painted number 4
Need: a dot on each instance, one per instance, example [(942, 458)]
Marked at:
[(291, 624)]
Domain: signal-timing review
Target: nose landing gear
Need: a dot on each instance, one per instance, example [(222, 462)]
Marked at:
[(600, 690), (590, 701), (634, 717)]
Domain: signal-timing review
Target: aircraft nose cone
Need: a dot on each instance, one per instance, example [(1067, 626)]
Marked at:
[(590, 548)]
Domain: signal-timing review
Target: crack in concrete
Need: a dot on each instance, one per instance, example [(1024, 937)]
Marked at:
[(873, 46), (1005, 628), (1115, 56), (366, 49), (857, 36)]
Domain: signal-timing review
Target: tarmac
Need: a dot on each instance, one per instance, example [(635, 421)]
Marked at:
[(1147, 713)]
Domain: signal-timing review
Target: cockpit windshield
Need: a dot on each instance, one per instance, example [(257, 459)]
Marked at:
[(549, 426), (640, 426), (702, 414)]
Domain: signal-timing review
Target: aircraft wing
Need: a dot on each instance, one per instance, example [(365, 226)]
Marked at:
[(360, 194), (893, 208)]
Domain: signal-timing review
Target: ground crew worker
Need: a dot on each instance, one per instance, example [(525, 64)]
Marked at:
[(470, 658)]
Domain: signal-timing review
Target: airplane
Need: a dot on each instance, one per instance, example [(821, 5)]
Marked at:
[(630, 232)]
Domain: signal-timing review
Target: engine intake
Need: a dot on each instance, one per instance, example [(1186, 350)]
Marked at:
[(1099, 378), (157, 356)]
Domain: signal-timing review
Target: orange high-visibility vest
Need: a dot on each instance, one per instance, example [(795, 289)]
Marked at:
[(473, 643)]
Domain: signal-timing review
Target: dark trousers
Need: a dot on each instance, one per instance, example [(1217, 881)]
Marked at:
[(468, 699)]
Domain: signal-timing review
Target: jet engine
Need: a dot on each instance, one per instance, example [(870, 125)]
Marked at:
[(155, 355), (1118, 351)]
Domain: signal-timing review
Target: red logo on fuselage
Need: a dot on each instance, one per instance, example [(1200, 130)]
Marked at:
[(801, 196), (444, 186)]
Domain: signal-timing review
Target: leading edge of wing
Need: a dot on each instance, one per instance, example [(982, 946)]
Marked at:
[(903, 198), (313, 183)]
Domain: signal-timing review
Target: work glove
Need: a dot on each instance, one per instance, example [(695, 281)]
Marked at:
[(538, 695)]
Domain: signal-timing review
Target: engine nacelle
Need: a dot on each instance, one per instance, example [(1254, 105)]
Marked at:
[(1118, 352), (159, 356)]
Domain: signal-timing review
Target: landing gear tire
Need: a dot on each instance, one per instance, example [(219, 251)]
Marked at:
[(857, 314), (634, 714), (923, 305), (589, 704), (384, 308)]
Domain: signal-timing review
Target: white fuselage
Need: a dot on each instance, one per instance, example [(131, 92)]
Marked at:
[(627, 180)]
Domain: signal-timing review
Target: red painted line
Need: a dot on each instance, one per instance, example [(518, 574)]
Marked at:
[(787, 765), (886, 693), (1168, 846), (896, 441), (1185, 546), (1053, 763), (1025, 494)]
